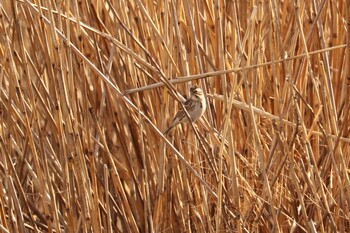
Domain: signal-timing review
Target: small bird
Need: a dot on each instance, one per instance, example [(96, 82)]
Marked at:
[(195, 106)]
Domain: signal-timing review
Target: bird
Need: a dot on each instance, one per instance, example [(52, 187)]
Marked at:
[(195, 105)]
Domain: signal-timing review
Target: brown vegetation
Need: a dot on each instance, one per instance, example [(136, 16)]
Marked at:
[(88, 87)]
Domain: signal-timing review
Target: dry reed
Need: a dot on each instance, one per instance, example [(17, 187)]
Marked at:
[(87, 87)]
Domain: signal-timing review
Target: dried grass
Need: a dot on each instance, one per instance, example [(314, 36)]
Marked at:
[(88, 87)]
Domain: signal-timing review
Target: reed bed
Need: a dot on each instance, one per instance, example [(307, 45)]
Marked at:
[(88, 87)]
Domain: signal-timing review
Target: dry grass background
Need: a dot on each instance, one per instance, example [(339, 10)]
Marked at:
[(87, 87)]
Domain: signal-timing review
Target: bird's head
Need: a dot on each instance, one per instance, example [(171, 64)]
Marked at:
[(196, 93)]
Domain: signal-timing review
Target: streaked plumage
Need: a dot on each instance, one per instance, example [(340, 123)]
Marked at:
[(195, 106)]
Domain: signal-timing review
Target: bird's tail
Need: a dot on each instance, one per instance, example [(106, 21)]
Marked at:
[(171, 127), (168, 130)]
